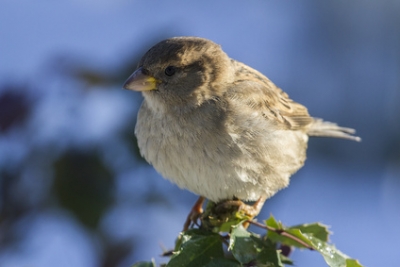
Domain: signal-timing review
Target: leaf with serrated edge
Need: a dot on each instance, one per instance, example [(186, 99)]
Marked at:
[(241, 244), (333, 257), (271, 222), (205, 249), (197, 250), (318, 230), (187, 235), (269, 257), (227, 226), (275, 237), (285, 260)]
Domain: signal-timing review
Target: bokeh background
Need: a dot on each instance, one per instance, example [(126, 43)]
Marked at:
[(73, 188)]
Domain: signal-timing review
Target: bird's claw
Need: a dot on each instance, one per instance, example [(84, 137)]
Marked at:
[(194, 214)]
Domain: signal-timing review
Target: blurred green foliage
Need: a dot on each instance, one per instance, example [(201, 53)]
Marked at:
[(83, 185)]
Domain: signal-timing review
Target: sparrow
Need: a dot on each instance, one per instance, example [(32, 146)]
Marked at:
[(217, 127)]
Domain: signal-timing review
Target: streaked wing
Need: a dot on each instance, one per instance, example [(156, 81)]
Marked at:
[(259, 93)]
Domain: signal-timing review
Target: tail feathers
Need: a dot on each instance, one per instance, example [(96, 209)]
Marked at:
[(329, 129)]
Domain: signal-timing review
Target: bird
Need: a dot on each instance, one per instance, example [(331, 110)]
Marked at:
[(219, 128)]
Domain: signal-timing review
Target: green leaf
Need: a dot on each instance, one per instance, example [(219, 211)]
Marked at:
[(243, 247), (269, 257), (308, 234), (293, 236), (318, 230), (353, 263), (290, 237), (247, 247), (197, 248), (220, 262), (285, 260), (204, 248), (332, 256), (187, 235), (232, 222), (271, 222)]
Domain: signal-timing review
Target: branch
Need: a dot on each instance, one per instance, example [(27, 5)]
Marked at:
[(282, 233)]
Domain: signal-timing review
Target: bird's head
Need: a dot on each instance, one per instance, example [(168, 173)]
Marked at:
[(182, 72)]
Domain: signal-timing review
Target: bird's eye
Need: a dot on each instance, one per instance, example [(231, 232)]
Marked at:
[(170, 70)]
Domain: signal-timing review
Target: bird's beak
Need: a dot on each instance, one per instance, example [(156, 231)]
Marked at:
[(139, 81)]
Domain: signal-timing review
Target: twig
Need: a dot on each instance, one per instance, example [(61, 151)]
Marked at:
[(282, 233)]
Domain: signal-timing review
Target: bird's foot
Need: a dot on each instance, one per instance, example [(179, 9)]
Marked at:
[(248, 210), (194, 214), (217, 215)]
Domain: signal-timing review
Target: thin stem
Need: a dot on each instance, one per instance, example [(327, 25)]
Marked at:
[(282, 233)]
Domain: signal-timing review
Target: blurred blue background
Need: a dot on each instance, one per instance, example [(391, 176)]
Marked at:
[(73, 188)]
